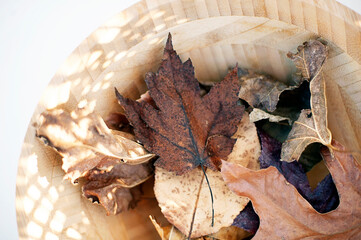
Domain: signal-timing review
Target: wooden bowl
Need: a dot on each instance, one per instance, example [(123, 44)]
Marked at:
[(215, 34)]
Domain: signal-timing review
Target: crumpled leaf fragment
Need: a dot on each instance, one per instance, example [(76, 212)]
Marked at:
[(85, 142), (261, 91), (310, 59), (323, 198), (258, 114), (302, 134), (185, 130), (180, 196), (295, 217), (172, 233), (117, 189)]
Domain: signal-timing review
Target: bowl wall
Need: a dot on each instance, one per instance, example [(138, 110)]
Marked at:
[(216, 35)]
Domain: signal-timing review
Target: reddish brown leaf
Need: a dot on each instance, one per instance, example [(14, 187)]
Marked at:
[(285, 214), (185, 130)]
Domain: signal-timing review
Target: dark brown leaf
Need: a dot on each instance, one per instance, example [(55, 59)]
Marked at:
[(185, 130)]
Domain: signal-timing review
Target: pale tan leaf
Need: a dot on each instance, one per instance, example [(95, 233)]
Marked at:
[(180, 196), (311, 126), (258, 114), (302, 134), (247, 148), (85, 142), (261, 91), (227, 233), (319, 107)]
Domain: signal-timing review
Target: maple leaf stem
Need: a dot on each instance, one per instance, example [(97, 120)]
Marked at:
[(210, 191)]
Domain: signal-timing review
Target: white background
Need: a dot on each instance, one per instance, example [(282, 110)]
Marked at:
[(35, 38)]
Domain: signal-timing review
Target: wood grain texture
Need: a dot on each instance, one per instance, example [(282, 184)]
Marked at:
[(216, 35)]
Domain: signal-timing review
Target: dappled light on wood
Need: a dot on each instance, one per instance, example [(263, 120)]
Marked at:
[(120, 52)]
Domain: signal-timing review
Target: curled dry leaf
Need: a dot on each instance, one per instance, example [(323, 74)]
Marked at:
[(117, 189), (111, 164), (289, 215), (226, 233), (185, 130), (85, 142), (258, 114), (302, 134), (310, 59), (180, 197), (261, 91)]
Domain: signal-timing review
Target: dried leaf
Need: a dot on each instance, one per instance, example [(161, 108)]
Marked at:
[(116, 189), (312, 125), (172, 233), (247, 219), (261, 91), (302, 134), (185, 130), (293, 215), (324, 198), (85, 142), (258, 114), (247, 148), (180, 196), (114, 198), (309, 57)]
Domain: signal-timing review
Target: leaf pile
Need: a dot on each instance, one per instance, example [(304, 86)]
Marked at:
[(231, 158), (111, 164)]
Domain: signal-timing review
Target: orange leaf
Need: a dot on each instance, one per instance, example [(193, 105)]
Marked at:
[(285, 214)]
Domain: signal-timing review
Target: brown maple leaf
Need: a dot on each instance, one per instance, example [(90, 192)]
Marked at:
[(185, 130), (285, 214), (184, 199)]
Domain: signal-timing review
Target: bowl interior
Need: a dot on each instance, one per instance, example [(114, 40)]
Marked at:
[(118, 55)]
